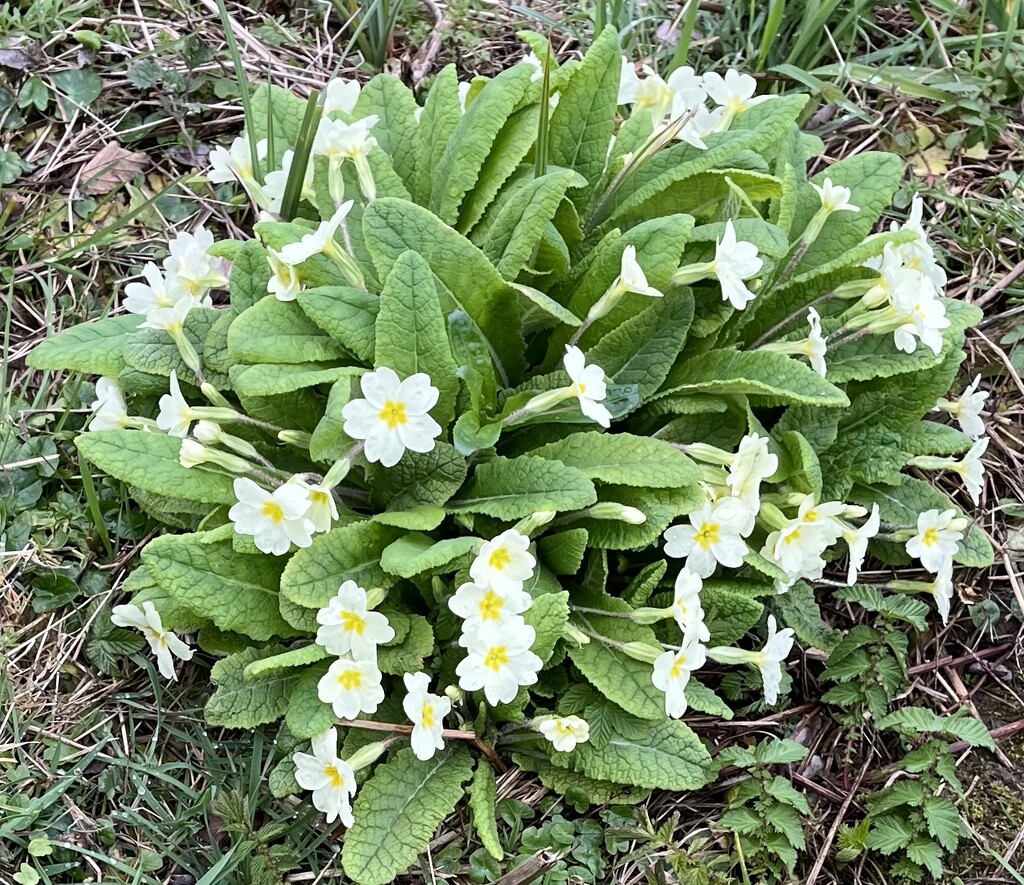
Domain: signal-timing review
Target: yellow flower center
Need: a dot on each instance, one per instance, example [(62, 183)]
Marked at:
[(678, 665), (491, 606), (337, 778), (318, 498), (350, 679), (562, 728), (393, 414), (930, 538), (497, 657), (708, 536), (272, 511), (792, 537), (499, 559), (427, 716), (353, 623)]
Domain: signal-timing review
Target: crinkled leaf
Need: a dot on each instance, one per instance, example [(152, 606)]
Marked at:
[(483, 797), (94, 348), (273, 331), (511, 488), (240, 703), (624, 459), (346, 314)]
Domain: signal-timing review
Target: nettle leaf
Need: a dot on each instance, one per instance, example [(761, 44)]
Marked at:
[(396, 130), (702, 699), (417, 553), (901, 504), (420, 478), (470, 282), (241, 703), (344, 313), (667, 756), (397, 811), (348, 553), (410, 332), (273, 331), (580, 127), (511, 488), (624, 459), (150, 462), (483, 798), (94, 348), (772, 377), (235, 591)]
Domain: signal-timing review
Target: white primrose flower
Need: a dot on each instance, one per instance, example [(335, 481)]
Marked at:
[(170, 319), (109, 410), (339, 141), (163, 643), (688, 88), (857, 540), (464, 87), (393, 416), (477, 605), (323, 510), (632, 277), (351, 687), (629, 82), (426, 711), (672, 673), (276, 520), (797, 548), (967, 409), (917, 304), (284, 282), (752, 464), (158, 291), (499, 660), (504, 562), (330, 778), (935, 543), (918, 254), (564, 732), (835, 197), (700, 125), (814, 347), (588, 386), (347, 627), (713, 536), (653, 96), (687, 608), (943, 591), (734, 92), (341, 95), (769, 660), (319, 241), (192, 265), (972, 470), (277, 180), (534, 61), (235, 163), (176, 415), (735, 261)]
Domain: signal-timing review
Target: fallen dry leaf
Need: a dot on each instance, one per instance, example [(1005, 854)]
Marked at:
[(110, 168)]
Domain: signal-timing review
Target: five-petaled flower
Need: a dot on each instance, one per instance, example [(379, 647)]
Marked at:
[(935, 543), (672, 672), (351, 687), (276, 520), (564, 732), (499, 660), (967, 409), (834, 197), (477, 605), (504, 562), (735, 262), (393, 416), (109, 411), (426, 711), (330, 778), (714, 536), (769, 660), (588, 386), (163, 643), (348, 627)]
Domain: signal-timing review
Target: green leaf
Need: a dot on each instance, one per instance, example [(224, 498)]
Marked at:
[(889, 834), (346, 314), (729, 613), (458, 168), (295, 657), (797, 608), (660, 506), (329, 441), (174, 615), (581, 126), (470, 282), (347, 553), (250, 273), (779, 752), (236, 591), (155, 352), (645, 582), (576, 787), (420, 478), (307, 715), (410, 333), (287, 111), (781, 789), (932, 438), (241, 703), (511, 488), (93, 348), (702, 699), (407, 656), (441, 114), (272, 380), (668, 756), (563, 552), (774, 378), (483, 797), (624, 459), (944, 822), (273, 331), (548, 616), (415, 554), (926, 853), (150, 461), (397, 811), (396, 130)]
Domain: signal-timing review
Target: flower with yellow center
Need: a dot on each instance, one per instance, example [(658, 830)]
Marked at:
[(276, 520), (687, 608), (347, 627), (163, 643), (588, 386), (714, 536), (323, 511), (477, 605), (426, 712), (351, 687), (935, 543), (393, 416), (769, 660), (672, 673), (504, 563), (966, 410), (564, 732), (499, 659), (284, 282), (330, 778)]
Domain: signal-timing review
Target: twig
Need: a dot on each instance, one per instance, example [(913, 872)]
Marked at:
[(454, 734), (930, 666), (820, 860)]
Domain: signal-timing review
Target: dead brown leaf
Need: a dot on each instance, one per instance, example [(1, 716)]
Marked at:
[(111, 167)]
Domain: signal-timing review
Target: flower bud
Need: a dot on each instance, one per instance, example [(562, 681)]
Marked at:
[(296, 438), (208, 432), (375, 596), (650, 615), (641, 651), (454, 694), (367, 755), (339, 470), (534, 521), (192, 453), (574, 634), (620, 512)]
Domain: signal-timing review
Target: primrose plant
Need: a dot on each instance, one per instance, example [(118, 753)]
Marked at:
[(508, 441)]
